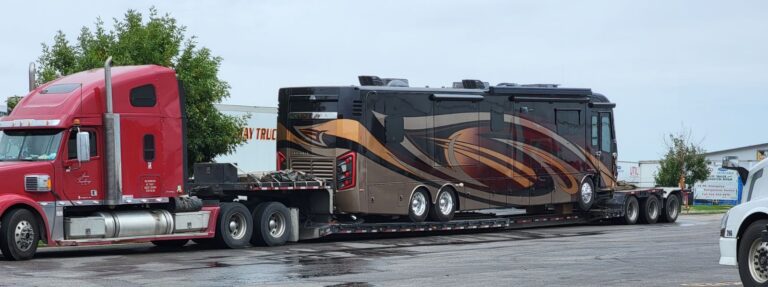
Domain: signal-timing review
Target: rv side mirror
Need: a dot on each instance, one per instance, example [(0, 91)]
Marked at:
[(730, 161), (83, 147)]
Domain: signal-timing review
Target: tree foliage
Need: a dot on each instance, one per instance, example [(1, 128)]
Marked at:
[(682, 158), (159, 40), (11, 102)]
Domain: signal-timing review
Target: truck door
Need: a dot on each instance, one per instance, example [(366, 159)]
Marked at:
[(603, 146), (83, 180)]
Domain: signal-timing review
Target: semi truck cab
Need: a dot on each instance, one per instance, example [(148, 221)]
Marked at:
[(742, 226)]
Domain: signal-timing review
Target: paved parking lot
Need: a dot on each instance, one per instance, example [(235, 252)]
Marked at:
[(680, 254)]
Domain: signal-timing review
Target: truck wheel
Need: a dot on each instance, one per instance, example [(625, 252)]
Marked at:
[(176, 243), (272, 224), (234, 226), (650, 210), (418, 208), (445, 206), (671, 209), (753, 255), (631, 211), (586, 195), (19, 235)]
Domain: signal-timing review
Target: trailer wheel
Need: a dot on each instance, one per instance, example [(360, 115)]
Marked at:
[(650, 210), (19, 235), (587, 194), (631, 211), (273, 224), (176, 243), (753, 255), (418, 208), (445, 206), (671, 209), (234, 227)]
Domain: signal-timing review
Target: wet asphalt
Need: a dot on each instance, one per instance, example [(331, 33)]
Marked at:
[(680, 254)]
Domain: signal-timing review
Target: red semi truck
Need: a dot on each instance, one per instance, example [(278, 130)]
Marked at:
[(99, 157)]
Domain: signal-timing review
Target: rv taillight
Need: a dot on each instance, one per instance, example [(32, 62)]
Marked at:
[(280, 161), (345, 171)]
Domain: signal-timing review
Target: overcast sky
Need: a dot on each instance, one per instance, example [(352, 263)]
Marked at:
[(666, 64)]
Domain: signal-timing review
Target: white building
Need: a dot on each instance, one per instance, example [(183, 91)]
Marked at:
[(258, 152)]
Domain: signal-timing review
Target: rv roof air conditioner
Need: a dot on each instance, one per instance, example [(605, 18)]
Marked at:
[(376, 81), (470, 84)]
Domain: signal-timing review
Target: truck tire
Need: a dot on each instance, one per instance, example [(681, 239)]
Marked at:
[(19, 235), (631, 211), (234, 226), (650, 209), (752, 255), (418, 206), (586, 196), (671, 209), (272, 224), (176, 243), (444, 207)]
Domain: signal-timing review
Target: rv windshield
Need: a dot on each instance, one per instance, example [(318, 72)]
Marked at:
[(36, 145)]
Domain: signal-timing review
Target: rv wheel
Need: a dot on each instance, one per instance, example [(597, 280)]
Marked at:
[(586, 195), (418, 208), (444, 207)]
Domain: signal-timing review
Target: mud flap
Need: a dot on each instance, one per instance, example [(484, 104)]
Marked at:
[(294, 237)]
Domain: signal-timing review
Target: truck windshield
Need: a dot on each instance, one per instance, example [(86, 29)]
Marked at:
[(40, 145)]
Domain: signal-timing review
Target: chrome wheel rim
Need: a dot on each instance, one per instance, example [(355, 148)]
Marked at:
[(419, 204), (24, 235), (276, 225), (653, 208), (632, 210), (758, 261), (237, 226), (586, 192), (672, 207), (445, 203)]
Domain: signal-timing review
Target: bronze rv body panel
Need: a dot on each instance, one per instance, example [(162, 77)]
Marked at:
[(499, 147)]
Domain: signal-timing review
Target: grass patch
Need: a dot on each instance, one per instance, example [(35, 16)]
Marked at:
[(707, 209)]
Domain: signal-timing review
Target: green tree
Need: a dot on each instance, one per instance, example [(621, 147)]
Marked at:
[(11, 102), (161, 41), (683, 161)]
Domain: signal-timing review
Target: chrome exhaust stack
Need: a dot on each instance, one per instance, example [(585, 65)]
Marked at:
[(113, 160), (32, 80)]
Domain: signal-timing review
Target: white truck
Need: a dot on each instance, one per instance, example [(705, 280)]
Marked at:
[(742, 229)]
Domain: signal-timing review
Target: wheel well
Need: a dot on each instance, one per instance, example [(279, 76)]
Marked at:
[(41, 223), (746, 223)]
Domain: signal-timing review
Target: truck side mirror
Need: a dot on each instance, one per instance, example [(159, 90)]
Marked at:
[(730, 161), (83, 147)]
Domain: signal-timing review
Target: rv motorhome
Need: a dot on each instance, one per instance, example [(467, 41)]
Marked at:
[(391, 149)]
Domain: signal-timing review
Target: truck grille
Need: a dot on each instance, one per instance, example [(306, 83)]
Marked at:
[(322, 168)]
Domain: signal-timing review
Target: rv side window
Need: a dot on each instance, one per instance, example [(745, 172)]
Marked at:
[(72, 144), (394, 128), (149, 147), (594, 131), (568, 123), (605, 132), (143, 96)]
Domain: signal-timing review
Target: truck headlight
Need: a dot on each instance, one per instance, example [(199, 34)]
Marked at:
[(723, 223), (38, 183)]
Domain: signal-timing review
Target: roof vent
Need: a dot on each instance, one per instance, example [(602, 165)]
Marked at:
[(370, 81), (507, 85), (393, 82), (470, 84), (541, 85)]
